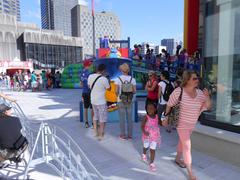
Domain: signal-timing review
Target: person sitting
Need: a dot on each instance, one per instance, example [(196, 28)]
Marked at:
[(12, 143)]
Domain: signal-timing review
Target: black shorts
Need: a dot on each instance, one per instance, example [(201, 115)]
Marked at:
[(86, 100)]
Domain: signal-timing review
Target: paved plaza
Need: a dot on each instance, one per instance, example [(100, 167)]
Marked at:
[(115, 159)]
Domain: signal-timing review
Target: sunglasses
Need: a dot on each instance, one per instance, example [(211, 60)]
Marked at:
[(195, 78)]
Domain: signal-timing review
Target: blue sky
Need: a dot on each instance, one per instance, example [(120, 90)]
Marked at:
[(141, 20)]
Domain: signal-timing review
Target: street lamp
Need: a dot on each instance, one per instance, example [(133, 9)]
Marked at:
[(93, 27)]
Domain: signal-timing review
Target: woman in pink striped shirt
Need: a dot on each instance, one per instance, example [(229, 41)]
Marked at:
[(193, 102)]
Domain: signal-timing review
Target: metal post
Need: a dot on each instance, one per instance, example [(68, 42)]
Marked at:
[(81, 111), (94, 45), (136, 110), (93, 26)]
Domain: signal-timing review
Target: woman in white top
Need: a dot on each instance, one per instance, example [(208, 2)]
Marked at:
[(125, 109)]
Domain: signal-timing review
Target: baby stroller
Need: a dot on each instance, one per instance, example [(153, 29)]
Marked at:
[(12, 142)]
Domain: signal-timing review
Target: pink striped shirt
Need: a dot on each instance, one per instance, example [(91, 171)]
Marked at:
[(190, 108)]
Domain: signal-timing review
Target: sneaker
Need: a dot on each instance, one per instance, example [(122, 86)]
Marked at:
[(86, 125), (144, 158), (122, 137), (152, 167)]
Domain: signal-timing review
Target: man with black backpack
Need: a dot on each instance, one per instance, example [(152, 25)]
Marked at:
[(125, 89), (164, 91)]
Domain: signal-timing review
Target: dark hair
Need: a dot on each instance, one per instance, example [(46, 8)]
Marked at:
[(101, 67), (165, 74), (152, 104)]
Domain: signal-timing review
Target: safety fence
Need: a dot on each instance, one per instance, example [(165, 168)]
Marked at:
[(51, 145)]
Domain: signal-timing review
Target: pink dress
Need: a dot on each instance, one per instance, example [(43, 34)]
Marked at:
[(152, 127)]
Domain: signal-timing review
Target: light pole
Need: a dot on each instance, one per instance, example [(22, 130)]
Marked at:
[(93, 27)]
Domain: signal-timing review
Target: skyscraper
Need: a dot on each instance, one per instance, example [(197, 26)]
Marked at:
[(106, 24), (56, 14), (47, 14), (170, 44), (11, 7)]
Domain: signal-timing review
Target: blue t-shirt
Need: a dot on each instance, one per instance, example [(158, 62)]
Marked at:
[(84, 79), (33, 78)]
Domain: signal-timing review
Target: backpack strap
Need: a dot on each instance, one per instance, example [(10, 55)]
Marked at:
[(125, 81), (131, 79), (166, 82), (120, 79), (94, 83)]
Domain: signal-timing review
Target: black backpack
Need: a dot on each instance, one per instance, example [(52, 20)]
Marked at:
[(168, 90)]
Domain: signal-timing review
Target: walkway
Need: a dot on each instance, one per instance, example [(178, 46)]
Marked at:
[(114, 158)]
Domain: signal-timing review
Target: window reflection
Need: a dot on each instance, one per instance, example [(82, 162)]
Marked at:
[(222, 59)]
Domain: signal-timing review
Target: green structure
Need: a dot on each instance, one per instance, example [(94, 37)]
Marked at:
[(71, 76)]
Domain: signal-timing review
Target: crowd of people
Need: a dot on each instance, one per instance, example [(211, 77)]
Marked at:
[(22, 80), (164, 61), (163, 94)]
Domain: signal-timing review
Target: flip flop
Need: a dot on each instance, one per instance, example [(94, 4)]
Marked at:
[(180, 164)]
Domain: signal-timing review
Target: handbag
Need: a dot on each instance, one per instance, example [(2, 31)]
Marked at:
[(173, 117)]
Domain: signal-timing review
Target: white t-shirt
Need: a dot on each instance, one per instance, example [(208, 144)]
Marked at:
[(124, 78), (99, 89), (163, 86)]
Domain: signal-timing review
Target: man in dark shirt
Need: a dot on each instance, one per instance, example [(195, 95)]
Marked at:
[(86, 92)]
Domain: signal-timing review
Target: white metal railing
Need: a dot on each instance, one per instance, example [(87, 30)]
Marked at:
[(51, 145)]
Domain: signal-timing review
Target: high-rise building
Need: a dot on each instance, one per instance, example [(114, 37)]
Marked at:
[(56, 15), (11, 7), (170, 44), (47, 14), (106, 24)]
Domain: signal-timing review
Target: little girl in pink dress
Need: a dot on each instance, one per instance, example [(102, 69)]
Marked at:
[(150, 134)]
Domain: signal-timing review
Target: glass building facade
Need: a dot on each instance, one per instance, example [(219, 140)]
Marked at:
[(53, 55), (56, 15), (47, 14), (219, 40)]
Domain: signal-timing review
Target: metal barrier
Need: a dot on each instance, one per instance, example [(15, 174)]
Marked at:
[(51, 145), (112, 116)]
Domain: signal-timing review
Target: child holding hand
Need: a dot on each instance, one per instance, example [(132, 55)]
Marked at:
[(150, 134)]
